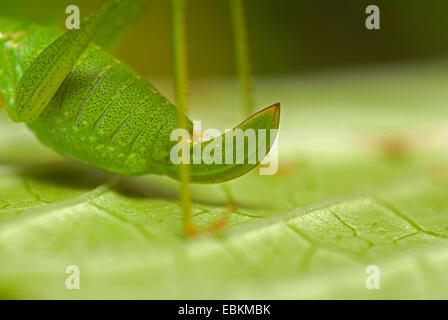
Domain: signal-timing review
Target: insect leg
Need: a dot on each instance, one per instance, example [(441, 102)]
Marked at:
[(243, 67), (242, 55), (178, 39), (43, 77)]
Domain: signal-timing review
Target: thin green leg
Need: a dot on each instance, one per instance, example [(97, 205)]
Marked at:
[(243, 67), (242, 55), (45, 74), (180, 90)]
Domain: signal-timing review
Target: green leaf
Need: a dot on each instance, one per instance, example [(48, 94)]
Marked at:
[(362, 181)]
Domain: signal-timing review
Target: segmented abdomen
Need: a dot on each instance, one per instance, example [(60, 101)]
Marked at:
[(104, 114)]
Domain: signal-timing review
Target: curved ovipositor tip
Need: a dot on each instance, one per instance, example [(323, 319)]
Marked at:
[(235, 152)]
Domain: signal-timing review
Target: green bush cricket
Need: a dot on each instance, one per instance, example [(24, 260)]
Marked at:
[(89, 106)]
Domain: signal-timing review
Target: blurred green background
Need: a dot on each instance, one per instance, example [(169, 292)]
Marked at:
[(286, 37)]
